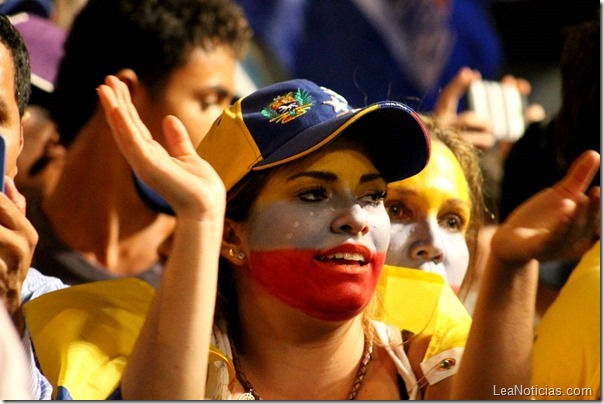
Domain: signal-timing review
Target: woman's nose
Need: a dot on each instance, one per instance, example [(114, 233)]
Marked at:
[(427, 251), (352, 220), (428, 246)]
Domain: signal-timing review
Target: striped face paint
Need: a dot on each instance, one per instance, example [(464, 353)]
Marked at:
[(430, 213), (318, 233)]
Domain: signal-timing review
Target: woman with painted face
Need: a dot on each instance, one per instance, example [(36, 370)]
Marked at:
[(436, 214), (301, 247)]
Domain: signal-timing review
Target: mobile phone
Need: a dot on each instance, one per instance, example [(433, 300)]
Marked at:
[(502, 105), (2, 162)]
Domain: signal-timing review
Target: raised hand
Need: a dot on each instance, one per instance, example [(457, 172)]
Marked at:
[(476, 129), (183, 309), (187, 182), (18, 238), (559, 222)]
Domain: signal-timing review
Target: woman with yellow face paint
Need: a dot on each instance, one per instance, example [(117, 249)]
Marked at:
[(436, 214), (301, 236)]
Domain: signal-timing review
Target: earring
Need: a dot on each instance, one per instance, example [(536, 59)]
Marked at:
[(239, 255)]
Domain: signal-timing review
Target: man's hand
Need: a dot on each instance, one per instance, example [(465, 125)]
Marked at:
[(18, 239)]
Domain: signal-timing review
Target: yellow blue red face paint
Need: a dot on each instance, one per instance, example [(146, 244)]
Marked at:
[(318, 234)]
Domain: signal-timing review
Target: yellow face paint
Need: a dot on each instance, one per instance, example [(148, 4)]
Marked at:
[(430, 213), (441, 184), (300, 202), (339, 169)]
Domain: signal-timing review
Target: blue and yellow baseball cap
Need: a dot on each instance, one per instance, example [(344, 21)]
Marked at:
[(288, 120)]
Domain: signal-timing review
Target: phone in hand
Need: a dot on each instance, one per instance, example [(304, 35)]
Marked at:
[(502, 105), (2, 162)]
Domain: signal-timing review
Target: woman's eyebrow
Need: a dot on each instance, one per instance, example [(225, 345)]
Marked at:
[(327, 176), (320, 175), (371, 177)]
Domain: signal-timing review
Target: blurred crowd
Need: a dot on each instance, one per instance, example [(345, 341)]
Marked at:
[(114, 102)]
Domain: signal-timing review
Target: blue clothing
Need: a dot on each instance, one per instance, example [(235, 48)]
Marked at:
[(373, 50)]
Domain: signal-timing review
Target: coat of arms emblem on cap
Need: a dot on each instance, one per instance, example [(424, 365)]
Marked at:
[(286, 108)]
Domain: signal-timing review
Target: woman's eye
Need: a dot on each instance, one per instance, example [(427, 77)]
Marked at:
[(452, 222), (398, 211), (312, 195), (375, 198)]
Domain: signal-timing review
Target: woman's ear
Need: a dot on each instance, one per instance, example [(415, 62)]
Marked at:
[(232, 242)]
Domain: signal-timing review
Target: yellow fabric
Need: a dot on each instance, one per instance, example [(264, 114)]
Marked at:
[(566, 353), (231, 150), (84, 335), (422, 302)]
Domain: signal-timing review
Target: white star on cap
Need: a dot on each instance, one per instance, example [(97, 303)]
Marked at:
[(337, 102)]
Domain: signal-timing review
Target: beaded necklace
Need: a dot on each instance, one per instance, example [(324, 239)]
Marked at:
[(252, 394)]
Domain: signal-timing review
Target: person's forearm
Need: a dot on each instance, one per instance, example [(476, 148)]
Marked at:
[(498, 351), (170, 357)]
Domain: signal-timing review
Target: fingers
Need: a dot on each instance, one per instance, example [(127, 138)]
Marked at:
[(12, 208), (109, 102), (521, 84), (580, 174), (480, 140), (131, 135), (124, 99), (594, 205), (594, 196), (130, 132), (178, 141), (475, 129), (534, 113), (174, 170), (14, 195), (448, 100), (119, 110), (583, 228), (468, 120), (18, 239)]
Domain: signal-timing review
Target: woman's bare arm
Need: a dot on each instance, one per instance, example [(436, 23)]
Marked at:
[(559, 221), (169, 360)]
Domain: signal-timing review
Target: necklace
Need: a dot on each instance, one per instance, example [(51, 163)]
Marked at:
[(252, 394)]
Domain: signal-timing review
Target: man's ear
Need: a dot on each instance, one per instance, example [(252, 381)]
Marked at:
[(24, 119), (232, 246), (130, 78)]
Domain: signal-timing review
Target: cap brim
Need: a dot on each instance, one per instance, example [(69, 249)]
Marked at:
[(393, 133), (151, 198)]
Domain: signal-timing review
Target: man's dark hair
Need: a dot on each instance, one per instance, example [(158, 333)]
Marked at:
[(10, 37), (151, 37)]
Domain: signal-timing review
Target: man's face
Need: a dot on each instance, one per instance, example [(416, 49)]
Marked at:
[(196, 93), (10, 121)]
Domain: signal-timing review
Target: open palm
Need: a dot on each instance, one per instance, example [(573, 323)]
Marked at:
[(559, 222), (186, 181)]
